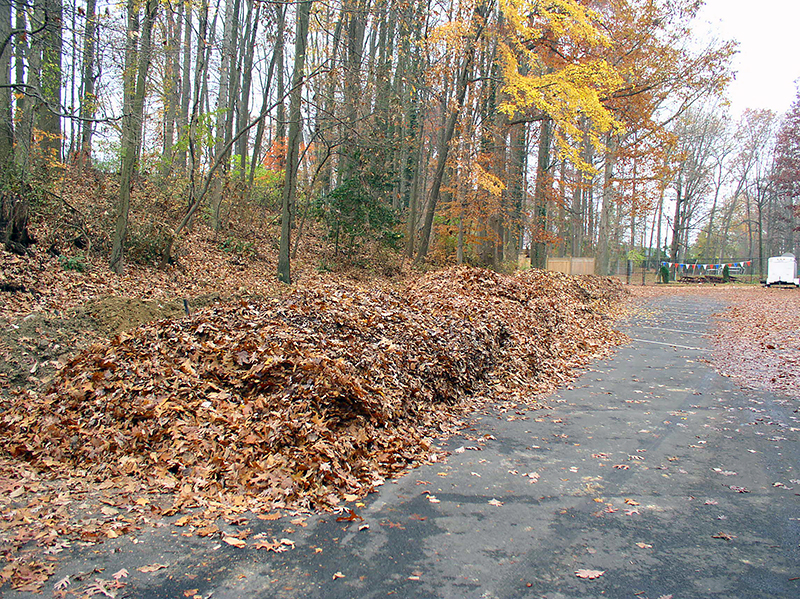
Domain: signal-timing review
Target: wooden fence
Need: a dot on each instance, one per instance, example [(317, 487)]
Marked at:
[(571, 265)]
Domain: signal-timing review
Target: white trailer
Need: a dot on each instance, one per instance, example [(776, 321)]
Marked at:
[(782, 270)]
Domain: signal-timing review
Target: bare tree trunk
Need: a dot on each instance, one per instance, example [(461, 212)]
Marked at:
[(539, 225), (677, 227), (47, 112), (186, 85), (132, 130), (6, 118), (24, 112), (88, 96), (280, 12), (224, 108), (280, 130), (478, 26), (293, 143), (172, 80), (247, 78), (604, 230)]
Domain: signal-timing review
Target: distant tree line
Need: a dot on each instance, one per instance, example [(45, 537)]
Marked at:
[(472, 131)]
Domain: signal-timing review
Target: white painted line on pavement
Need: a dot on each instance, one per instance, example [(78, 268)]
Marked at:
[(667, 344), (673, 330)]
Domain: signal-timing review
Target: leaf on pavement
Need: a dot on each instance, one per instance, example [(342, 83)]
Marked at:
[(351, 517), (589, 574), (62, 584), (152, 568)]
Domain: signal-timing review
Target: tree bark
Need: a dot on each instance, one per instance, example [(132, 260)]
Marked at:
[(88, 96), (604, 229), (253, 14), (224, 107), (132, 131), (539, 226), (293, 142), (6, 118), (47, 118), (172, 85), (24, 116), (186, 85)]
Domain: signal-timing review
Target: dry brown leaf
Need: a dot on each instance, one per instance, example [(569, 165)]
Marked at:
[(589, 574), (152, 568), (269, 516)]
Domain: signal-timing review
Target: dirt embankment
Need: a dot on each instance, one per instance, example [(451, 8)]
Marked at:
[(37, 346)]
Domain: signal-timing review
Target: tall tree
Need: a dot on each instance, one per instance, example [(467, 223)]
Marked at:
[(476, 29), (6, 118), (88, 106), (293, 142), (135, 87), (48, 109), (787, 171)]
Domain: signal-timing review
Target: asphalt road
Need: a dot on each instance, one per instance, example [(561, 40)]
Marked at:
[(651, 468)]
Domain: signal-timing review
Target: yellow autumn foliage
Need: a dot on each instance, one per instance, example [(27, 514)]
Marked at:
[(566, 86)]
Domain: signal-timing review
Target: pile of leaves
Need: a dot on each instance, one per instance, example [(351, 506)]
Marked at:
[(304, 399), (552, 322)]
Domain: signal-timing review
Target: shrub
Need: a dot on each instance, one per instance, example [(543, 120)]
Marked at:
[(76, 263), (663, 274)]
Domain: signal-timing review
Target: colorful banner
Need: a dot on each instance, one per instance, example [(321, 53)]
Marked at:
[(695, 265)]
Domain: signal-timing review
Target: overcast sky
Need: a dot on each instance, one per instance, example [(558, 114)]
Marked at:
[(768, 62)]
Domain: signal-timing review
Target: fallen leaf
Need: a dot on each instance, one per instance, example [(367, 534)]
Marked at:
[(351, 517), (269, 516), (152, 568), (495, 502), (98, 587), (236, 542), (62, 584), (338, 575), (190, 592), (644, 546), (589, 574), (278, 546)]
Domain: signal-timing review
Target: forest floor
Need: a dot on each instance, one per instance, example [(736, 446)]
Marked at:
[(69, 344)]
